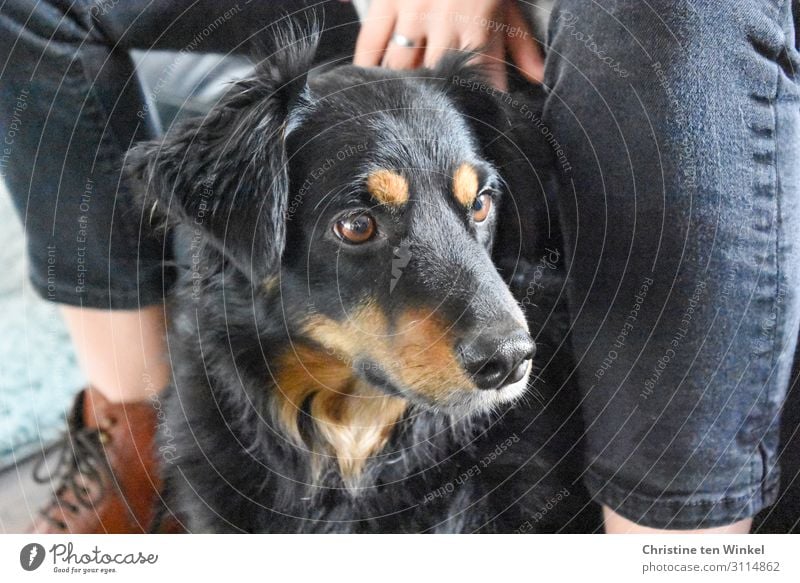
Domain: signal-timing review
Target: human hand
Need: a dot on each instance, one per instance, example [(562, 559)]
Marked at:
[(405, 34)]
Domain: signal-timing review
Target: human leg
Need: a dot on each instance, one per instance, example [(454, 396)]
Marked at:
[(679, 198)]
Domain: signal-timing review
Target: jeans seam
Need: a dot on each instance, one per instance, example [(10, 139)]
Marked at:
[(779, 310), (707, 509), (100, 297), (100, 110), (707, 498), (762, 425), (779, 327)]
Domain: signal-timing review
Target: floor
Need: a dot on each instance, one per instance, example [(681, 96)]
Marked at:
[(21, 497)]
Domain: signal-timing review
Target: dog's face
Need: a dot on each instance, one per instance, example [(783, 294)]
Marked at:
[(363, 203), (392, 214)]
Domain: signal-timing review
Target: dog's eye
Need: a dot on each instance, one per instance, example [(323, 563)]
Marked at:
[(355, 228), (482, 207)]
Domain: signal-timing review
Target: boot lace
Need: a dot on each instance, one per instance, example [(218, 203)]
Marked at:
[(79, 469)]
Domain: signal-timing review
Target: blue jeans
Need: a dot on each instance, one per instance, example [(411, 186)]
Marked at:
[(677, 133), (679, 190)]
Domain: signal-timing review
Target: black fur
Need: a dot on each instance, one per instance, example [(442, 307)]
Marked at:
[(234, 186)]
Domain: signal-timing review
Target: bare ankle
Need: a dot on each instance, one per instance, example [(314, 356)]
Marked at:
[(616, 524), (121, 352)]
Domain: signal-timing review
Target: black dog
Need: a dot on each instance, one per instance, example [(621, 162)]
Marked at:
[(347, 356)]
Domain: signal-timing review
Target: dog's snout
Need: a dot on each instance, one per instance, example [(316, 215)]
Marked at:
[(496, 360)]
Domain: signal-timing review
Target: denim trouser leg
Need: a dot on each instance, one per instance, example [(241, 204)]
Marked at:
[(679, 195), (71, 105)]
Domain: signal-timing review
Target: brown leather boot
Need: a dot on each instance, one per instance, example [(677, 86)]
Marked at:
[(105, 478)]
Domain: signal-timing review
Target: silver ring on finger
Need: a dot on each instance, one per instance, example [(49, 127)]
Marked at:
[(402, 40)]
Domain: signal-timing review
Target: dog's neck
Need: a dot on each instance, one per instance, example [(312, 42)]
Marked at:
[(348, 419)]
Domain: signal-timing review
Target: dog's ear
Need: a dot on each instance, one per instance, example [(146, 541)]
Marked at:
[(226, 173), (512, 135)]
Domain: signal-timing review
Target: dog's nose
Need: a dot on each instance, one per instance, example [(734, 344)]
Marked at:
[(494, 361)]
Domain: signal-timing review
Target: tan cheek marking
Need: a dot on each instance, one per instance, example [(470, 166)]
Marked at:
[(388, 187), (419, 354), (431, 366), (465, 184)]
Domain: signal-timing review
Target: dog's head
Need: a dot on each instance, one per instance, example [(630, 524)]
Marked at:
[(365, 204)]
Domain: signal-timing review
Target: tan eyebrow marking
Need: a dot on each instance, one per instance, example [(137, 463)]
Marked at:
[(388, 187), (465, 184)]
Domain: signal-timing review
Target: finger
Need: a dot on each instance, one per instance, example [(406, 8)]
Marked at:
[(523, 48), (491, 60), (437, 46), (399, 56), (376, 31), (527, 56)]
